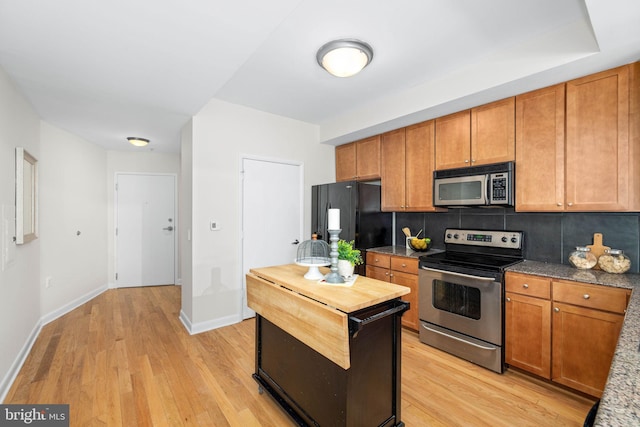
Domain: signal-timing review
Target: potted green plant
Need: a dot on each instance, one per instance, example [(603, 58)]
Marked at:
[(348, 258)]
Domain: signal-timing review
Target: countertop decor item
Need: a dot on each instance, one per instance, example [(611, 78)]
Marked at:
[(419, 245), (348, 258), (583, 258), (313, 253), (614, 261), (597, 248), (333, 276)]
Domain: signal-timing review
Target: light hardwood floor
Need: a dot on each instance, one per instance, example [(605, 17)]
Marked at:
[(125, 359)]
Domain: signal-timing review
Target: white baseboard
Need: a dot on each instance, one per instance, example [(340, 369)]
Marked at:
[(11, 375), (47, 318), (196, 328)]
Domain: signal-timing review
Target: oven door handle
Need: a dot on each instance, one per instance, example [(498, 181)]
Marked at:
[(468, 276), (458, 339)]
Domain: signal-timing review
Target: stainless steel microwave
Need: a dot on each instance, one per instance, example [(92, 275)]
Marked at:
[(486, 185)]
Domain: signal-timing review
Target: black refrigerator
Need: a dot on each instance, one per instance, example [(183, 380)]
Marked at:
[(361, 219)]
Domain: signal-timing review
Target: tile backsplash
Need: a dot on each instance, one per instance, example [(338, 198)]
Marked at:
[(549, 237)]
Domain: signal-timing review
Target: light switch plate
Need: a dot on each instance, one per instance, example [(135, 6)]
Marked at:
[(214, 225)]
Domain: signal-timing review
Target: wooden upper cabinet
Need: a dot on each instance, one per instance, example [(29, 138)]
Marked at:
[(480, 136), (493, 132), (368, 158), (453, 140), (407, 163), (346, 162), (597, 142), (393, 154), (419, 166), (540, 150), (358, 160)]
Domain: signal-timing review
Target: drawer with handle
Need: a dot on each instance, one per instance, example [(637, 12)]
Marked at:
[(591, 296), (378, 260), (524, 284), (406, 264)]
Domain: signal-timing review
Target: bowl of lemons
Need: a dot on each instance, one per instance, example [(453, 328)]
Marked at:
[(419, 244)]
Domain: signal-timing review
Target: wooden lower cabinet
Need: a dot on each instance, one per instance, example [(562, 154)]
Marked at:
[(528, 334), (586, 323), (563, 331), (584, 341), (402, 271)]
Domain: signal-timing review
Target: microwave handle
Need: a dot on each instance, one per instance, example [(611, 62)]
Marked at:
[(487, 186)]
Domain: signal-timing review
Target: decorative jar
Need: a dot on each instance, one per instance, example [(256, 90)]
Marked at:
[(582, 258), (614, 261)]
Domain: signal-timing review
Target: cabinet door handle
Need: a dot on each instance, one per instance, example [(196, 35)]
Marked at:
[(526, 286), (557, 310), (559, 203), (404, 265), (586, 296), (570, 204), (508, 299)]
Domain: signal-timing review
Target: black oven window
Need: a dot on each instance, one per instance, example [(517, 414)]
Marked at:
[(457, 299)]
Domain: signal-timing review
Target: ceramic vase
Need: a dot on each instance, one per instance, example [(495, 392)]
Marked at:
[(345, 268)]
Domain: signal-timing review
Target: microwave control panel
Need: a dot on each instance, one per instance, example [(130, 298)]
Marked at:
[(499, 187)]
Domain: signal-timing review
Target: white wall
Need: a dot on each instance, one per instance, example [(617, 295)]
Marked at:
[(185, 197), (73, 199), (19, 287), (222, 133), (136, 162)]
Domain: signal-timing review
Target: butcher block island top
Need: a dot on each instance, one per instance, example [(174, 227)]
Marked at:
[(365, 292), (315, 313)]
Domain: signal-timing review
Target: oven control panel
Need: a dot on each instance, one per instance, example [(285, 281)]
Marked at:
[(493, 238)]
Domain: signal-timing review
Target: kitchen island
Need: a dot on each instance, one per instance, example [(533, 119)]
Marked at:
[(328, 354)]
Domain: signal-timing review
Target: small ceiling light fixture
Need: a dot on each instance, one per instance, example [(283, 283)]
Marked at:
[(138, 142), (344, 57)]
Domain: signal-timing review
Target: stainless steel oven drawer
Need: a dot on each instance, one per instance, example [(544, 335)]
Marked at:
[(482, 353)]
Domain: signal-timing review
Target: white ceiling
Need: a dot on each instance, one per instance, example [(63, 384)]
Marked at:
[(105, 70)]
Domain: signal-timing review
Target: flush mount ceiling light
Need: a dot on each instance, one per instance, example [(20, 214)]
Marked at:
[(138, 142), (345, 57)]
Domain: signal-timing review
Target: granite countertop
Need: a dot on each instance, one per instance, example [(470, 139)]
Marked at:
[(402, 251), (620, 402)]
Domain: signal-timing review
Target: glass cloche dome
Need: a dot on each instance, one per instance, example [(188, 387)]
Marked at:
[(313, 253)]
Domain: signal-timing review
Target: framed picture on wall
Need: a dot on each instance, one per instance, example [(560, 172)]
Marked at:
[(26, 197)]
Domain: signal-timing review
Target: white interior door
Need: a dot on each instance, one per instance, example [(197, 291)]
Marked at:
[(145, 230), (272, 215)]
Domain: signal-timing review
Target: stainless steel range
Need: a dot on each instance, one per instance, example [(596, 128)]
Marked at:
[(461, 294)]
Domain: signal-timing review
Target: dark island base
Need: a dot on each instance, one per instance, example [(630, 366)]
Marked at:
[(314, 391)]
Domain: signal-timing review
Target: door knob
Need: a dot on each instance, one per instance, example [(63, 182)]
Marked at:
[(169, 228)]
